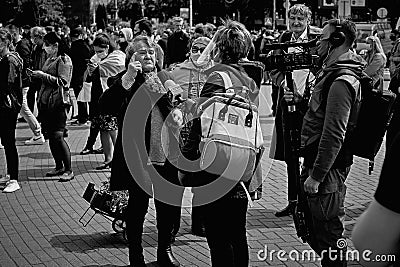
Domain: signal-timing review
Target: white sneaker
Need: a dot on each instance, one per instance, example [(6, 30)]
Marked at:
[(1, 146), (11, 186), (5, 179), (36, 140)]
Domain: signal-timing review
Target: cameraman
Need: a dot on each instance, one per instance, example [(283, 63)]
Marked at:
[(327, 157), (300, 31)]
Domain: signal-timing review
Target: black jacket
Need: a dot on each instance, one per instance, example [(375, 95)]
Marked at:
[(80, 54)]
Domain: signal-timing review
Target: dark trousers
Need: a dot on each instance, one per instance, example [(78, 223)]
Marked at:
[(8, 122), (167, 215), (274, 96), (327, 211), (83, 115), (60, 150), (93, 133), (225, 225)]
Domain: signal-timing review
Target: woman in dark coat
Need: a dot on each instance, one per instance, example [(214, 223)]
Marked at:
[(141, 157)]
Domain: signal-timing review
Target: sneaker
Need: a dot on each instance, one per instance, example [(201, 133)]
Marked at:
[(86, 151), (11, 186), (1, 146), (67, 176), (36, 140), (5, 179), (55, 172)]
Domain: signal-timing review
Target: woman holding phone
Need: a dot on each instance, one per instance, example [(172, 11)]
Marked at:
[(56, 72), (142, 160)]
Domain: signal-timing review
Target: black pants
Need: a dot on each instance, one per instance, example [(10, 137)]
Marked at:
[(274, 96), (60, 150), (327, 211), (225, 225), (167, 216), (93, 133), (8, 122)]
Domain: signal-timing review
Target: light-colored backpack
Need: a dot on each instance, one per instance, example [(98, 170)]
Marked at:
[(231, 135)]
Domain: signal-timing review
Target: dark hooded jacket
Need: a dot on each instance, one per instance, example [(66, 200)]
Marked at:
[(326, 121)]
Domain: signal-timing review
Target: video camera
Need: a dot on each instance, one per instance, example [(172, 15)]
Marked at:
[(290, 61)]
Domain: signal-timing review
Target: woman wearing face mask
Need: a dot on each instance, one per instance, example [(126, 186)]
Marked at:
[(144, 162), (107, 62), (125, 37), (191, 76), (56, 72), (376, 61)]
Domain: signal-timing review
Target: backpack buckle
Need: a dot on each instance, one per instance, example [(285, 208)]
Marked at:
[(249, 120)]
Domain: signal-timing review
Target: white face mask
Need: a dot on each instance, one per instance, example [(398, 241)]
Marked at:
[(102, 55), (49, 50)]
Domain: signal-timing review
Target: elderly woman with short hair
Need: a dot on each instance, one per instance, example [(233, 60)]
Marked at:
[(141, 157)]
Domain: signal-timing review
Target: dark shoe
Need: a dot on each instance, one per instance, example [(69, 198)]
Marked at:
[(98, 151), (289, 210), (67, 176), (55, 172), (86, 151), (199, 230), (165, 258), (104, 166), (138, 262)]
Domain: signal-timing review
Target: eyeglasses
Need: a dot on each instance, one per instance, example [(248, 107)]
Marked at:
[(145, 51), (196, 49)]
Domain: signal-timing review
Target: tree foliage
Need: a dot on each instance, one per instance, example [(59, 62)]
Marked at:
[(32, 12)]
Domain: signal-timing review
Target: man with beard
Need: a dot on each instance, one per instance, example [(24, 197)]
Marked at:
[(324, 138), (300, 31)]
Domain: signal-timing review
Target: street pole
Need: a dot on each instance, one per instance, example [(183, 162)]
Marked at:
[(273, 14), (190, 14), (287, 14), (116, 10)]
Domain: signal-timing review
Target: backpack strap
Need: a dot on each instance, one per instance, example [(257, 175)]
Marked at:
[(225, 77)]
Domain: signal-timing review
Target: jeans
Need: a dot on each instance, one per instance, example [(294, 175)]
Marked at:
[(8, 122), (27, 114)]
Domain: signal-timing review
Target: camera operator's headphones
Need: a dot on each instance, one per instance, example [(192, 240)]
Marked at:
[(337, 38)]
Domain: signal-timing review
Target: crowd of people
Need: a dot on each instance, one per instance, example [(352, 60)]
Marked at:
[(121, 74)]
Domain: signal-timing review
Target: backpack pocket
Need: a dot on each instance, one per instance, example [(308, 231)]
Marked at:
[(232, 161)]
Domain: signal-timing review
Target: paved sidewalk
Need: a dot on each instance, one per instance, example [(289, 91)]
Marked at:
[(39, 223)]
